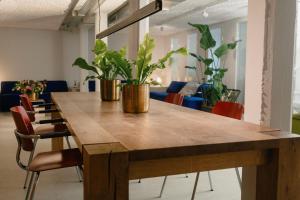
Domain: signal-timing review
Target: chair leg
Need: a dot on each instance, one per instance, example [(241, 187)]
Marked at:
[(195, 186), (68, 142), (163, 187), (77, 168), (140, 180), (29, 161), (210, 181), (30, 184), (34, 185), (238, 176), (186, 175)]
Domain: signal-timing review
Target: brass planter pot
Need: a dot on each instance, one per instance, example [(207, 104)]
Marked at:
[(136, 98), (110, 90)]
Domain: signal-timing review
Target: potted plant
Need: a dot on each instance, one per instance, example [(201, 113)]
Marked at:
[(213, 64), (32, 88), (136, 73), (104, 69)]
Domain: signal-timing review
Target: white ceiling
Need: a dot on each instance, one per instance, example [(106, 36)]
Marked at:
[(40, 14), (176, 18)]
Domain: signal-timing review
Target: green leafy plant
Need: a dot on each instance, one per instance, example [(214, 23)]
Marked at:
[(214, 69), (142, 66), (103, 65)]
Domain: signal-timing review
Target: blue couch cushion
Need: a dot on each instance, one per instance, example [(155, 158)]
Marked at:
[(8, 100), (175, 86), (7, 86), (56, 86), (202, 88), (92, 85), (193, 102), (161, 96)]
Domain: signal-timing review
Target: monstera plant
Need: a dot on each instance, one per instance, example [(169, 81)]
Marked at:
[(137, 74), (213, 62), (105, 69)]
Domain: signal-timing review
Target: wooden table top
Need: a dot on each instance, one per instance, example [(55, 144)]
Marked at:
[(164, 126)]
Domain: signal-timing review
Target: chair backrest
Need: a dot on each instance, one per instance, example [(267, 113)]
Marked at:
[(23, 126), (229, 109), (174, 98), (26, 103)]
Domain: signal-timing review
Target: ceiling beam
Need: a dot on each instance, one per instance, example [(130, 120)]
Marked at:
[(68, 15)]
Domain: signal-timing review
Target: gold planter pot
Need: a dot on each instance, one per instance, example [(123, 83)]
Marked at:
[(33, 96), (110, 90), (135, 98)]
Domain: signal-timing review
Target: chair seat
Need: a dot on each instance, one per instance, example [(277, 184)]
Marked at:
[(47, 128), (56, 160)]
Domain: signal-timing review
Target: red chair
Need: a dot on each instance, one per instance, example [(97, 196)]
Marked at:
[(27, 104), (27, 139), (174, 98), (227, 109), (23, 122)]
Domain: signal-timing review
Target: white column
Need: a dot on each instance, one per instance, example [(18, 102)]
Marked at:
[(279, 63), (84, 53), (270, 59), (254, 60), (100, 25), (144, 24)]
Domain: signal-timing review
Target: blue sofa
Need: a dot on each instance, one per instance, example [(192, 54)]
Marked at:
[(9, 98), (194, 102)]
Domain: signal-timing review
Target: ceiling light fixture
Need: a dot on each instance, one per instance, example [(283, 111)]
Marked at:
[(205, 14), (136, 16)]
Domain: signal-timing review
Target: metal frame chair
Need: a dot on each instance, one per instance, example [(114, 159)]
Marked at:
[(177, 99), (227, 109), (28, 141), (30, 108)]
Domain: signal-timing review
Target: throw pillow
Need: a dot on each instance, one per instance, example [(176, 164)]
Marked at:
[(189, 89)]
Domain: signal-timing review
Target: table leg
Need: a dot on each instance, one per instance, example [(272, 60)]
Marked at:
[(57, 143), (279, 179), (106, 169)]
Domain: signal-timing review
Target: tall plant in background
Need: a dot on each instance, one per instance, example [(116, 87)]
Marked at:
[(213, 62)]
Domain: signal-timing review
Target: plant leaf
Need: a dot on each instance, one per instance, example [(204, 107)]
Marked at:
[(100, 47), (206, 41), (224, 48), (81, 63)]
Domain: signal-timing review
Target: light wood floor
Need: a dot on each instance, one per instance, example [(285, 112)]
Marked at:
[(63, 184)]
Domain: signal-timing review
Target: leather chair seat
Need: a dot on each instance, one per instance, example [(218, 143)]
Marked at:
[(47, 128), (56, 160)]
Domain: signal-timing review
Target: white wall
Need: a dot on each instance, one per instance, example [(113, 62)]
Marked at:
[(38, 54), (70, 51)]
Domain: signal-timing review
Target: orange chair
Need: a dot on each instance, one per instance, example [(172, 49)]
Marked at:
[(174, 98), (227, 109), (27, 139)]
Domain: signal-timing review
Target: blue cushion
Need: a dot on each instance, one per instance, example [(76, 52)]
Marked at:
[(193, 102), (175, 86), (8, 101), (92, 85), (56, 86), (202, 88), (7, 86), (161, 96)]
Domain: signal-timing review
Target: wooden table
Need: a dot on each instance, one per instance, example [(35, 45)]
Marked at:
[(118, 147)]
